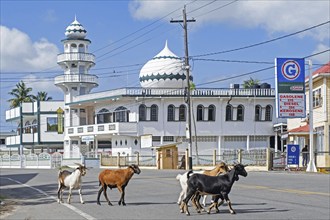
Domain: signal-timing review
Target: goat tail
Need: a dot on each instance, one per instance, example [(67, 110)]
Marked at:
[(178, 177), (188, 174)]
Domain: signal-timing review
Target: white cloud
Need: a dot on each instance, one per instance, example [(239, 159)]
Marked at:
[(273, 16), (41, 84), (19, 53), (324, 57)]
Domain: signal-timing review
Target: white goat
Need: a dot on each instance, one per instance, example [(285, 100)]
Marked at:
[(182, 178), (70, 180)]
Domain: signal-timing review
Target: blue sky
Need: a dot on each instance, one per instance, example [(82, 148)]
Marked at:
[(126, 34)]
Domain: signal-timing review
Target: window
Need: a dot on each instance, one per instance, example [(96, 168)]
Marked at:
[(52, 124), (170, 113), (154, 113), (142, 113), (240, 113), (229, 113), (27, 127), (103, 116), (317, 98), (121, 114), (211, 113), (268, 115), (258, 113), (2, 141), (182, 113), (200, 113), (168, 138), (34, 126)]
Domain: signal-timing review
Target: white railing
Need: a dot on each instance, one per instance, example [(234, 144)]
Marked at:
[(75, 56), (267, 92), (81, 78), (109, 128)]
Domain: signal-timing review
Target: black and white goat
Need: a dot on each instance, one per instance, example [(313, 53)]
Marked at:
[(218, 186), (70, 180)]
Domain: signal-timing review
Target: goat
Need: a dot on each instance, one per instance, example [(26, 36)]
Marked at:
[(116, 179), (219, 186), (182, 178), (71, 180)]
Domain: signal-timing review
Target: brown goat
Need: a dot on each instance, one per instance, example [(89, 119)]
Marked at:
[(116, 179)]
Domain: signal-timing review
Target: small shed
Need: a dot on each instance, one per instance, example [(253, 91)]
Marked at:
[(167, 156)]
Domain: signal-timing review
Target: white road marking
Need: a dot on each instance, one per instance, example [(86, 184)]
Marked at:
[(76, 210)]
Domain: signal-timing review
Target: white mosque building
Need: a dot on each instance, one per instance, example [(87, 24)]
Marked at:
[(116, 120)]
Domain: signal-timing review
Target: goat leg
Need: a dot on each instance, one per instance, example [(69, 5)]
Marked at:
[(98, 195), (70, 193), (106, 196), (81, 199), (229, 204)]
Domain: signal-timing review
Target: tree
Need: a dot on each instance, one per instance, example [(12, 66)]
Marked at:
[(21, 94), (42, 96), (247, 84)]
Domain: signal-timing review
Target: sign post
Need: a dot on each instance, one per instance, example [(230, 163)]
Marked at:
[(290, 88), (293, 154)]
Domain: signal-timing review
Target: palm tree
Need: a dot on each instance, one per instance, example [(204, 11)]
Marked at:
[(21, 94), (247, 84), (42, 96)]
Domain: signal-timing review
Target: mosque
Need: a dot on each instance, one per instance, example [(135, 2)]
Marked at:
[(119, 120)]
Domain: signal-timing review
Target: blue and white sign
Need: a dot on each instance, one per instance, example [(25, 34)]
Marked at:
[(293, 154), (290, 88)]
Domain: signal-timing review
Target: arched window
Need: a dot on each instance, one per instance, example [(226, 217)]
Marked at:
[(103, 116), (229, 113), (34, 126), (121, 114), (154, 113), (81, 48), (27, 127), (211, 113), (240, 113), (73, 48), (142, 113), (170, 113), (200, 113), (182, 113), (258, 113), (268, 113)]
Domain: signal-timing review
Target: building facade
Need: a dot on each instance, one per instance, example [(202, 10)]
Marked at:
[(298, 129), (38, 126), (115, 120)]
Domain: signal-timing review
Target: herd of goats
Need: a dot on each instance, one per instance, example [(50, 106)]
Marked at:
[(195, 184)]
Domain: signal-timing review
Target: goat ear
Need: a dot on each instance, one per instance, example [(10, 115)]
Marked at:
[(245, 165)]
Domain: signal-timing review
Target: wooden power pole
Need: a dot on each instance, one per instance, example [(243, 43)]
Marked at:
[(187, 68)]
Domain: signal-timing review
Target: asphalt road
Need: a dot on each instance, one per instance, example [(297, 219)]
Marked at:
[(153, 195)]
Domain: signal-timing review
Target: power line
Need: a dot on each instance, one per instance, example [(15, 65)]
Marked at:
[(264, 42)]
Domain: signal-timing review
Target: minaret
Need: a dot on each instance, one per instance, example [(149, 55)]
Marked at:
[(76, 80), (76, 62)]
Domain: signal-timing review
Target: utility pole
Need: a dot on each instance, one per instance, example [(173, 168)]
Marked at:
[(187, 68)]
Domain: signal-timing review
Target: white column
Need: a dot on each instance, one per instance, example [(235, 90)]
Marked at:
[(248, 142), (276, 142)]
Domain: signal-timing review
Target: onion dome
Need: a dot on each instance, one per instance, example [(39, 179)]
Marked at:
[(163, 71), (75, 30)]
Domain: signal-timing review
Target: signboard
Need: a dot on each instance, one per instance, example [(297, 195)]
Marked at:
[(60, 124), (290, 88), (293, 154), (146, 141), (87, 139)]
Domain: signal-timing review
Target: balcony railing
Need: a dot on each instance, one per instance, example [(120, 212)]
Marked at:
[(209, 92), (109, 128), (81, 78), (75, 56)]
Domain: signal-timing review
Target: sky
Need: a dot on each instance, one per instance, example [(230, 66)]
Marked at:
[(229, 42)]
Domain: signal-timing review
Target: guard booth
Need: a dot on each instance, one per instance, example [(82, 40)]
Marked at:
[(167, 156)]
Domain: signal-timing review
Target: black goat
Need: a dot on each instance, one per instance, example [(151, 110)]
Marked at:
[(218, 186)]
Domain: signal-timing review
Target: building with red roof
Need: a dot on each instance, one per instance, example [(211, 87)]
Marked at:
[(298, 129)]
